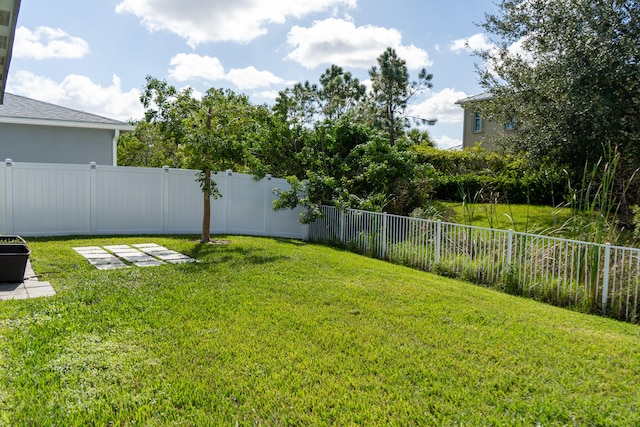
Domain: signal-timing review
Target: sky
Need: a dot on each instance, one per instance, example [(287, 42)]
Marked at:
[(94, 55)]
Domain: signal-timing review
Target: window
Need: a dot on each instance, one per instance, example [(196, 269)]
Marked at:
[(477, 122), (510, 125), (5, 16)]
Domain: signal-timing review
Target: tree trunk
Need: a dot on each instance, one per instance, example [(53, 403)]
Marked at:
[(206, 212)]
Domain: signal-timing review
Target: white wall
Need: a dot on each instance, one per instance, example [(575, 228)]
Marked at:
[(38, 199)]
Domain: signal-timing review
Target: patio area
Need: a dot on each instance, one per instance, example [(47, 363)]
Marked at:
[(31, 287)]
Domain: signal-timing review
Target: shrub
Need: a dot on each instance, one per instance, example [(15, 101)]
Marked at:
[(463, 175)]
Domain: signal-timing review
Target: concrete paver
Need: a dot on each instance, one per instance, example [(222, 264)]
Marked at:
[(134, 256), (163, 253), (139, 255), (31, 287), (100, 258)]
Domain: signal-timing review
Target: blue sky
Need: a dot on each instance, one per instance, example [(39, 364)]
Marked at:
[(94, 55)]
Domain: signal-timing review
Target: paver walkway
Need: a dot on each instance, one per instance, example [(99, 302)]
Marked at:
[(31, 287), (163, 253), (134, 256), (141, 255), (99, 258)]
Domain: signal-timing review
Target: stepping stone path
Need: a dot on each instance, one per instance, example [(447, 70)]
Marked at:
[(163, 253), (141, 255), (100, 258), (134, 256)]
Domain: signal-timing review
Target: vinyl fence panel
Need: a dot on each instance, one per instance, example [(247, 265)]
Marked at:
[(128, 199), (53, 199), (50, 199), (183, 203)]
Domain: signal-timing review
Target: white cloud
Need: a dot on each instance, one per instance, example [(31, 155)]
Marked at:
[(251, 78), (200, 21), (476, 42), (45, 43), (188, 66), (368, 84), (442, 106), (80, 93), (268, 96), (518, 49), (446, 142), (340, 42)]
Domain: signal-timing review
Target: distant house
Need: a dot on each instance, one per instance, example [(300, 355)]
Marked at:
[(476, 129), (40, 132), (8, 18)]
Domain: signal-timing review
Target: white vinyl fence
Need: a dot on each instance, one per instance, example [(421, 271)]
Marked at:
[(593, 277), (38, 199)]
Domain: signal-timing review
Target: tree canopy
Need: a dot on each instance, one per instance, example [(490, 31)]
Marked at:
[(335, 142), (392, 92), (212, 132), (568, 71), (340, 145)]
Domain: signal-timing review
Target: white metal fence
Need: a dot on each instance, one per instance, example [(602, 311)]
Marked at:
[(38, 199), (593, 277)]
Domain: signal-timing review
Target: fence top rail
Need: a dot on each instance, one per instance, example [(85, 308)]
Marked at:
[(494, 230)]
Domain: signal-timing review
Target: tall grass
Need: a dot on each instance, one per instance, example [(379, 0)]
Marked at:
[(596, 203)]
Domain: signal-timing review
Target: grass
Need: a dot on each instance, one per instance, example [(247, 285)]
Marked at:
[(523, 218), (281, 332)]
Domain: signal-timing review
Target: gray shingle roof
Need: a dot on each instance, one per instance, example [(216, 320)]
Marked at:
[(20, 107), (481, 97)]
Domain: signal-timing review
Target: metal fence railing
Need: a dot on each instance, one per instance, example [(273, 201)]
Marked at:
[(599, 278)]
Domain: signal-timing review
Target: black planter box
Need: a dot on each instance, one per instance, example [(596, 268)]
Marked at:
[(14, 254)]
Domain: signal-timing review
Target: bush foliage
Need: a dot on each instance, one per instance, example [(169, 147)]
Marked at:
[(482, 176)]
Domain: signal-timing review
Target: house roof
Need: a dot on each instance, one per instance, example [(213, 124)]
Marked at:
[(480, 97), (8, 18), (22, 110)]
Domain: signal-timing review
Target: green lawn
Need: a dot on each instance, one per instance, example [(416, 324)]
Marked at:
[(278, 332), (523, 218)]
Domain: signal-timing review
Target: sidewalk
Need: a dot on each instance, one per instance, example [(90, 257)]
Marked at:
[(30, 288)]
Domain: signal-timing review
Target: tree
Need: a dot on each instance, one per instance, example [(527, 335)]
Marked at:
[(212, 132), (420, 137), (391, 93), (147, 147), (319, 137), (569, 72), (339, 92), (290, 141)]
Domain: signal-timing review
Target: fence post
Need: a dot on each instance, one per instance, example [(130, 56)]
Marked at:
[(509, 247), (228, 201), (342, 227), (165, 199), (436, 254), (267, 204), (9, 225), (605, 277), (93, 198), (385, 222)]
